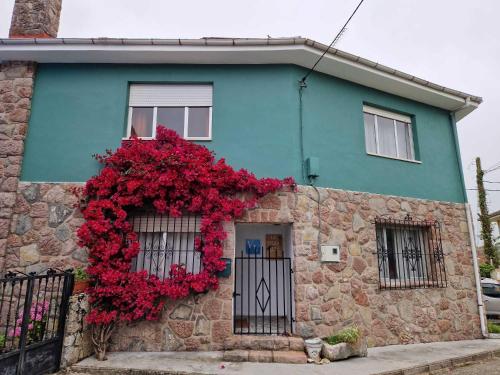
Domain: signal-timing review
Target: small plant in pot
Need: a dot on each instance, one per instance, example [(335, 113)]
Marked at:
[(81, 281), (346, 343)]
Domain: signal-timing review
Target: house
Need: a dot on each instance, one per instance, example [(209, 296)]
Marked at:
[(376, 234)]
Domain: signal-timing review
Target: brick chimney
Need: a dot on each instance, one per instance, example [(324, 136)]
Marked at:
[(35, 19)]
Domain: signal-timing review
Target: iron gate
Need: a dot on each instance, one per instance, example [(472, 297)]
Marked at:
[(32, 317), (263, 295)]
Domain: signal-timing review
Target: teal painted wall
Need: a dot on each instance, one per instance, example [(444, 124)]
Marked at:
[(79, 110)]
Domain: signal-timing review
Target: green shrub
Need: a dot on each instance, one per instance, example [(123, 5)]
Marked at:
[(485, 269), (2, 341), (493, 328), (80, 274), (348, 335)]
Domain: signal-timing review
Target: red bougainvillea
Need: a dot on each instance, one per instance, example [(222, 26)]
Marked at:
[(173, 176)]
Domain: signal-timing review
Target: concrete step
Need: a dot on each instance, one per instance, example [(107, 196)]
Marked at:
[(258, 343), (276, 356)]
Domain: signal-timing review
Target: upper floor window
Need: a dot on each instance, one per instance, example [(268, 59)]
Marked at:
[(186, 109), (388, 134)]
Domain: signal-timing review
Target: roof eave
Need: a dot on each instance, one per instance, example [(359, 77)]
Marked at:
[(299, 51)]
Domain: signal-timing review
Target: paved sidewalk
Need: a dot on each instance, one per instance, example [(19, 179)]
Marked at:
[(384, 360)]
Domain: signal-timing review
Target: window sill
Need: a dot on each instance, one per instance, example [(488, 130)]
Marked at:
[(402, 284), (394, 158), (151, 138)]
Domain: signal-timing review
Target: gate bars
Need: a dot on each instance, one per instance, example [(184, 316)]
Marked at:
[(32, 318), (263, 295)]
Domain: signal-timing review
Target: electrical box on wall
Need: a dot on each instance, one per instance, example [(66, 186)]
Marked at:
[(312, 167), (330, 253)]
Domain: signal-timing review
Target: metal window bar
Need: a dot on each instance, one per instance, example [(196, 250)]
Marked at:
[(33, 311), (166, 241), (410, 254), (262, 295)]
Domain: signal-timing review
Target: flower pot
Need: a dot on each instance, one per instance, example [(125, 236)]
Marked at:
[(345, 350), (313, 347), (80, 286)]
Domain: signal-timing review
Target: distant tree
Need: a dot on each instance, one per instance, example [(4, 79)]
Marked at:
[(486, 231)]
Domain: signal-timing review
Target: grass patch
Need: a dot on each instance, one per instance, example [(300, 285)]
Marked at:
[(493, 328), (348, 335)]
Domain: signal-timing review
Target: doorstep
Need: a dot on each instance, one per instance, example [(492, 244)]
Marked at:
[(388, 360)]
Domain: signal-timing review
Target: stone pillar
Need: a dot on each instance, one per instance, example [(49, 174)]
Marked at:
[(16, 87), (30, 19), (35, 19)]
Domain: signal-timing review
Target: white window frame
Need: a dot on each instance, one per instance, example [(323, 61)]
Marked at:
[(394, 117), (186, 118)]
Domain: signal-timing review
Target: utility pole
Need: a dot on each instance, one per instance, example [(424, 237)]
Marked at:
[(484, 218)]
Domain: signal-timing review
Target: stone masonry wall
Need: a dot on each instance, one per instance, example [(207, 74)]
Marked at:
[(327, 296), (35, 19), (43, 229), (331, 296), (16, 87), (77, 341)]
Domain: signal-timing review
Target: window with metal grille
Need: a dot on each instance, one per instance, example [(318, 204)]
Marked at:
[(166, 241), (410, 254)]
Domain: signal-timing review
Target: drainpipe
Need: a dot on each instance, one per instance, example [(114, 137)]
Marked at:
[(480, 304), (468, 213)]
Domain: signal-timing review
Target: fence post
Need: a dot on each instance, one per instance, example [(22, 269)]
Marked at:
[(24, 325), (69, 279)]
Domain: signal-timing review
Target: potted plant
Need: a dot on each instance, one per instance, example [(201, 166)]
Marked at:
[(346, 343), (81, 281), (313, 348)]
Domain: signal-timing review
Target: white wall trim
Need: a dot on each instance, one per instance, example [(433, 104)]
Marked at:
[(302, 52)]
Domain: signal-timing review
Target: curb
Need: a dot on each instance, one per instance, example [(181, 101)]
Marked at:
[(441, 367), (434, 368)]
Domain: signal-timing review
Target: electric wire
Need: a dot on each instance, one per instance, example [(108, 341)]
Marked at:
[(484, 189), (333, 41)]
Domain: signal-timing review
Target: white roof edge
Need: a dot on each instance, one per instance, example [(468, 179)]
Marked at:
[(296, 50)]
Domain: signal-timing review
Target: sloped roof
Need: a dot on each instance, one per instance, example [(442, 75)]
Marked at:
[(299, 51)]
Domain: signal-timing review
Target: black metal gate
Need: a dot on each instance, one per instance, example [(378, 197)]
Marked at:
[(32, 317), (263, 295)]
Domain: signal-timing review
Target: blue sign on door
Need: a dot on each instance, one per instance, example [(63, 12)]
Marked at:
[(252, 247)]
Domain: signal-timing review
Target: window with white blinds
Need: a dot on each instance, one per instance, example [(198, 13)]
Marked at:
[(184, 108), (388, 134)]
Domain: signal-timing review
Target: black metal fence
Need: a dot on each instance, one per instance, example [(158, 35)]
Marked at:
[(410, 254), (32, 317), (166, 241), (262, 295)]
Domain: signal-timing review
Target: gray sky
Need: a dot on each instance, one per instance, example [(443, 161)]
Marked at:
[(450, 42)]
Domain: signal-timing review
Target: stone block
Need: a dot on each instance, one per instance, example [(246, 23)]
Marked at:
[(181, 312), (202, 326), (296, 343), (236, 355), (58, 213), (29, 255), (265, 356), (344, 350), (24, 224), (212, 309)]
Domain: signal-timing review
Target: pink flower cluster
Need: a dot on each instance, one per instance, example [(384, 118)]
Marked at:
[(38, 313)]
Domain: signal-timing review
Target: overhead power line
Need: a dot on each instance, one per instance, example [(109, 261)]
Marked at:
[(485, 189), (494, 167), (339, 34)]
